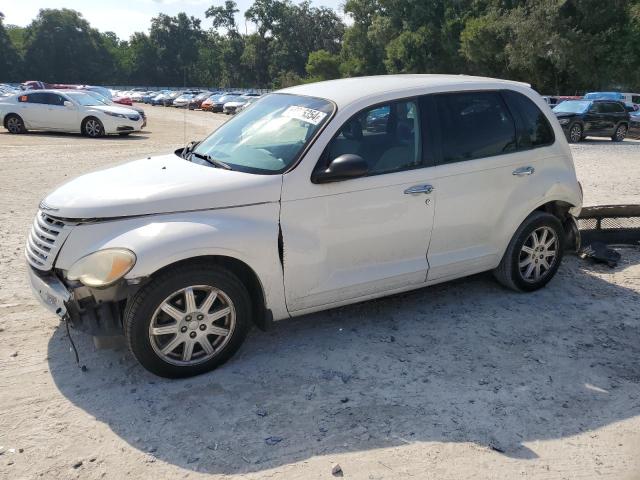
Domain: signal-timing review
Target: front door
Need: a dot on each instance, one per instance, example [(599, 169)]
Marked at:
[(361, 237), (56, 116)]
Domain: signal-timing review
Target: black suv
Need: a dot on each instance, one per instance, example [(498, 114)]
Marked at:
[(595, 118)]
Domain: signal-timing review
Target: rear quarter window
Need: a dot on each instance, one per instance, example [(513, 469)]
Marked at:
[(534, 130)]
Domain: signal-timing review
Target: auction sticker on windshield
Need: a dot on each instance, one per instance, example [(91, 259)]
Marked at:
[(308, 115)]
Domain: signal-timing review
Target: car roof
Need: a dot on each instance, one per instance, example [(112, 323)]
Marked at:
[(347, 90)]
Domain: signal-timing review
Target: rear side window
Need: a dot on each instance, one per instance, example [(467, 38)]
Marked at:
[(534, 130), (39, 97), (474, 125)]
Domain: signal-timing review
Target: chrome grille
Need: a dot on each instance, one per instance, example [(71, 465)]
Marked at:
[(44, 242)]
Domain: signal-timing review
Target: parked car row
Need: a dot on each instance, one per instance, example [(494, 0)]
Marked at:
[(211, 101)]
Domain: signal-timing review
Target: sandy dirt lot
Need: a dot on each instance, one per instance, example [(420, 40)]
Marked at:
[(462, 380)]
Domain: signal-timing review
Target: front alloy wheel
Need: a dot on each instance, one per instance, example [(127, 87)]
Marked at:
[(93, 128), (187, 320), (192, 324)]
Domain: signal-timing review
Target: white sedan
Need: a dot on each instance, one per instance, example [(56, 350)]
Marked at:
[(66, 111)]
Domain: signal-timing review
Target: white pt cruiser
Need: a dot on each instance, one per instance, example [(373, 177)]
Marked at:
[(316, 196)]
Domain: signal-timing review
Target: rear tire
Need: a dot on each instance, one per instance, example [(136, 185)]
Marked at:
[(620, 133), (533, 255), (14, 124), (92, 127), (195, 341), (575, 133)]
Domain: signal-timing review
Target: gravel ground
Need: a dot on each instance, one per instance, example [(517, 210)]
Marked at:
[(461, 380)]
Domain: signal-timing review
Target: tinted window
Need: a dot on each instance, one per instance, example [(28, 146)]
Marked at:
[(534, 129), (474, 125), (387, 137), (635, 98), (53, 99), (38, 97)]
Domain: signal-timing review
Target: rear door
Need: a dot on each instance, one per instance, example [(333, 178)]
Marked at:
[(484, 180), (31, 108), (594, 119), (56, 116)]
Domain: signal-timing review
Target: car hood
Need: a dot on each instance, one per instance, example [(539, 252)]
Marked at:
[(160, 184), (114, 109)]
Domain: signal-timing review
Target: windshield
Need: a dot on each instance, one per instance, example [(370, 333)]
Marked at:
[(84, 99), (572, 106), (268, 137), (99, 97)]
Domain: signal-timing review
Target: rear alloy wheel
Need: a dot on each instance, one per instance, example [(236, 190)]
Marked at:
[(620, 134), (575, 133), (93, 128), (533, 255), (15, 124)]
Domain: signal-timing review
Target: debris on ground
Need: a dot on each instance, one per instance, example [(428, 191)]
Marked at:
[(600, 253), (336, 470)]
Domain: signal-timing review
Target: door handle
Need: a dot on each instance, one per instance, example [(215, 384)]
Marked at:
[(427, 189), (523, 171)]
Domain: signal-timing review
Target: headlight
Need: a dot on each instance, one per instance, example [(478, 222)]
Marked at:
[(102, 268), (112, 114), (563, 121)]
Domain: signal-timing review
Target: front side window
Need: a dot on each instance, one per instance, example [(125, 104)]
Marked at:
[(474, 125), (535, 130), (54, 99), (387, 137), (267, 138)]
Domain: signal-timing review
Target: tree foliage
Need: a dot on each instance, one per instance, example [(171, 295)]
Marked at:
[(559, 46)]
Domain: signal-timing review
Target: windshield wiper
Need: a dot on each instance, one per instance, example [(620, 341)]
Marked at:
[(212, 161)]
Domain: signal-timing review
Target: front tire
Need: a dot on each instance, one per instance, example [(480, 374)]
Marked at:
[(620, 133), (575, 133), (533, 255), (15, 124), (187, 321), (92, 127)]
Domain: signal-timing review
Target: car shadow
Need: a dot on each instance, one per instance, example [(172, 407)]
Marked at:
[(466, 361)]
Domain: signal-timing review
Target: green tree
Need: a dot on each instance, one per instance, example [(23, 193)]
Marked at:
[(61, 46), (175, 40), (10, 61), (323, 65)]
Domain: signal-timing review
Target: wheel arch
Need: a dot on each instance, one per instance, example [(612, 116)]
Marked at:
[(261, 315)]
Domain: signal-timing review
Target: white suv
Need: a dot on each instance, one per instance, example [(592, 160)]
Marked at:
[(318, 196)]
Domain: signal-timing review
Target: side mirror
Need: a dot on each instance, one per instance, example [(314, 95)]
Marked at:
[(342, 168), (68, 104)]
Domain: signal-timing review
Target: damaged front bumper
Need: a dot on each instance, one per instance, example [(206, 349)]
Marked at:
[(97, 312)]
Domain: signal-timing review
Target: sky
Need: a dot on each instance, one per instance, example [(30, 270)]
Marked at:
[(127, 16)]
